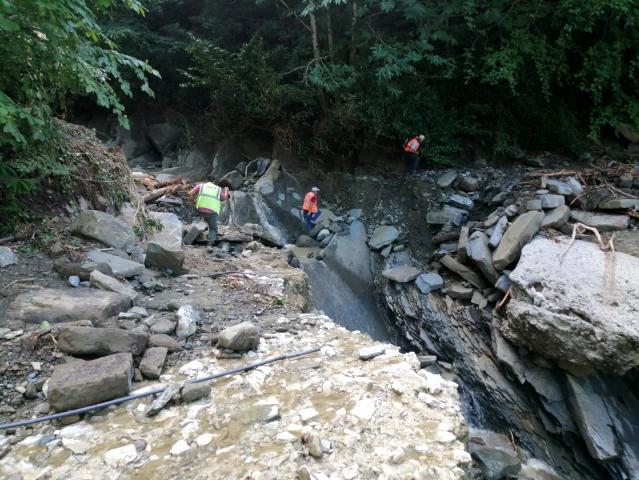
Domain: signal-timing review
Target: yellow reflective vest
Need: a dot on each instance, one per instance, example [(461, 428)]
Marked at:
[(209, 197)]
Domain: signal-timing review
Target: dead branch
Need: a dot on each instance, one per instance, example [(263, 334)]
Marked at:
[(503, 301), (155, 194), (581, 228)]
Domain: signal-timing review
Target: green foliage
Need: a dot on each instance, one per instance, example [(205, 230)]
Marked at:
[(50, 50), (147, 226)]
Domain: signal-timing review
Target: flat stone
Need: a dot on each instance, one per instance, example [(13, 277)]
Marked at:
[(66, 269), (75, 385), (179, 448), (195, 391), (366, 353), (240, 337), (479, 300), (429, 282), (61, 305), (479, 252), (603, 223), (464, 272), (550, 200), (120, 267), (164, 247), (160, 340), (534, 204), (162, 326), (153, 361), (498, 232), (103, 227), (560, 188), (496, 464), (461, 201), (401, 274), (619, 203), (308, 415), (556, 217), (7, 257), (110, 284), (447, 179), (383, 236), (100, 341), (590, 318), (459, 292), (519, 234)]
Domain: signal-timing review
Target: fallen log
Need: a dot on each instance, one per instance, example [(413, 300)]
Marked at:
[(155, 194)]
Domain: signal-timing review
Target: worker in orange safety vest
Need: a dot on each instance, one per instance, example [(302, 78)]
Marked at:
[(310, 209), (410, 153)]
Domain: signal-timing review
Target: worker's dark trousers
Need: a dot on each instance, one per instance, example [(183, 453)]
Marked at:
[(310, 219), (412, 161), (211, 219)]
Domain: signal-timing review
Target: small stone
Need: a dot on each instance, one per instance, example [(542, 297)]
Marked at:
[(552, 201), (461, 201), (367, 353), (179, 448), (194, 391), (308, 415), (119, 457), (187, 318), (74, 281), (560, 188), (285, 437), (313, 443), (153, 361), (447, 179), (140, 445), (171, 344), (496, 464), (469, 184), (429, 282), (204, 439), (241, 337), (479, 300), (445, 437), (78, 447), (364, 409), (459, 292)]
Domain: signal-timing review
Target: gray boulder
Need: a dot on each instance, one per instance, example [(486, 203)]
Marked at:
[(576, 187), (67, 269), (383, 236), (401, 274), (603, 223), (75, 385), (103, 227), (496, 464), (550, 200), (619, 204), (479, 252), (7, 257), (110, 284), (577, 307), (534, 204), (447, 179), (65, 305), (469, 184), (461, 201), (560, 188), (164, 248), (101, 341), (323, 233), (518, 235), (120, 267), (153, 361), (163, 136), (447, 215), (194, 231), (556, 217), (233, 180), (195, 391), (240, 337), (305, 241), (429, 282)]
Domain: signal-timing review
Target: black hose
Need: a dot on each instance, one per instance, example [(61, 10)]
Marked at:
[(117, 401)]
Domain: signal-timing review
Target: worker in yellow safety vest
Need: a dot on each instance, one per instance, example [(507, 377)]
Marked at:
[(209, 203), (310, 209)]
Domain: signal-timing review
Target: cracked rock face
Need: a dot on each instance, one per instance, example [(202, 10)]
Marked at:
[(579, 308)]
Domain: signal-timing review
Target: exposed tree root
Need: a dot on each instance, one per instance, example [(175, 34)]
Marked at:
[(580, 228)]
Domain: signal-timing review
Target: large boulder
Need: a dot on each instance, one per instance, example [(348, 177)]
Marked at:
[(240, 337), (164, 247), (233, 180), (120, 267), (103, 227), (266, 185), (163, 136), (56, 306), (577, 307), (383, 236), (101, 341), (78, 384), (518, 235), (601, 222)]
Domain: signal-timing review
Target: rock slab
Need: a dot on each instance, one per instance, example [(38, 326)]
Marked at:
[(121, 267), (518, 235), (383, 236), (103, 227), (241, 337), (7, 257), (603, 223), (74, 385), (590, 318), (464, 272), (110, 284), (164, 247), (153, 361), (401, 274), (65, 305), (479, 252), (429, 282), (101, 341)]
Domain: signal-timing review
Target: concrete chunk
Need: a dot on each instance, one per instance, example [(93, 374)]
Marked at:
[(75, 385)]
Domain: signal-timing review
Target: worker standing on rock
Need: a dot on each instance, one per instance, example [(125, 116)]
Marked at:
[(410, 154), (310, 210), (209, 203)]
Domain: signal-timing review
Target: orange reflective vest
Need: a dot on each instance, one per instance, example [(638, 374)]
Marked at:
[(412, 146), (310, 202)]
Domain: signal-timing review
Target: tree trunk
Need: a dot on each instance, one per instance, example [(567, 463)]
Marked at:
[(317, 57), (351, 55), (329, 31)]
